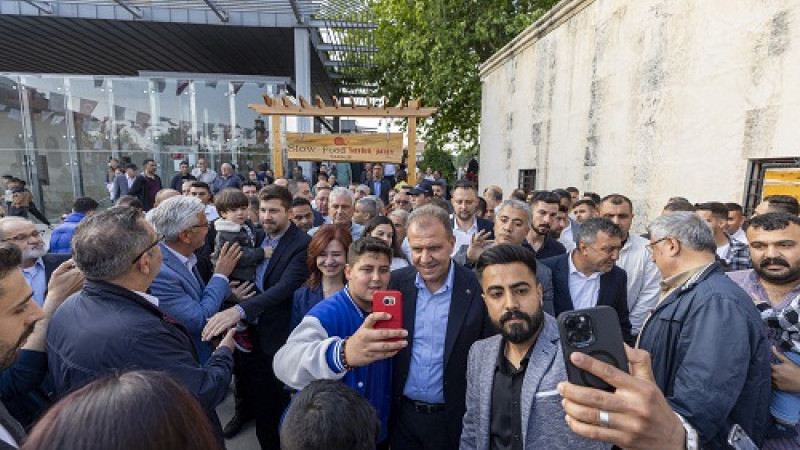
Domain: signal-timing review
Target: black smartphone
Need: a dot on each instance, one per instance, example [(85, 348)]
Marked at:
[(595, 332)]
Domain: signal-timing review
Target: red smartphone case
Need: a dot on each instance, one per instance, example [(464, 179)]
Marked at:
[(392, 303)]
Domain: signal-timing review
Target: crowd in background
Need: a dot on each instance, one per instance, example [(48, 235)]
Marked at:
[(151, 308)]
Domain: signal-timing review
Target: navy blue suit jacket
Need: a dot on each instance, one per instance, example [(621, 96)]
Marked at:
[(286, 272), (613, 291), (467, 322)]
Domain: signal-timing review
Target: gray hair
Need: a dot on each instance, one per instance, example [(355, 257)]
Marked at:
[(587, 232), (106, 243), (427, 213), (516, 204), (687, 227), (342, 192), (174, 215), (378, 203), (9, 221), (402, 213), (369, 205), (363, 188)]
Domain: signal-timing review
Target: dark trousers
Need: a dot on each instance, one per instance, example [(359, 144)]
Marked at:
[(414, 430), (267, 397)]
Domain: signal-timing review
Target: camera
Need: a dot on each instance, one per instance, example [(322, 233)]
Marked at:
[(389, 301), (579, 330)]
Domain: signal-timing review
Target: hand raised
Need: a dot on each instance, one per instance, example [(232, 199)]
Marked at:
[(368, 345)]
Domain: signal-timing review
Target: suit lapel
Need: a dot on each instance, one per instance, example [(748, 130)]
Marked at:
[(460, 300), (283, 244), (561, 278), (409, 308), (172, 262), (542, 355), (603, 296), (485, 384)]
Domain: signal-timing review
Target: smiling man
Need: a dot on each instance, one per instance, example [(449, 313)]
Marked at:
[(444, 315), (341, 207), (588, 276)]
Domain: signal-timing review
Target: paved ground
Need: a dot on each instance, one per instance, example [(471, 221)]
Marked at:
[(246, 440)]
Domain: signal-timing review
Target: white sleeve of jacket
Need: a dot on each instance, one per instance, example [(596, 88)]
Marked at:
[(303, 358)]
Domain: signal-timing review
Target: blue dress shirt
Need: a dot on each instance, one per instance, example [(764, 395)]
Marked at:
[(426, 368), (34, 276)]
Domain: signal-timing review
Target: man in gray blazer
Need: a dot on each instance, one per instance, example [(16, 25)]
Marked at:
[(123, 183), (512, 401)]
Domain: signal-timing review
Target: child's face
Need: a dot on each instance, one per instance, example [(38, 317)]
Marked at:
[(237, 215)]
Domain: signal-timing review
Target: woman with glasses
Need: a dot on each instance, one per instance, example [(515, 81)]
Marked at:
[(327, 257)]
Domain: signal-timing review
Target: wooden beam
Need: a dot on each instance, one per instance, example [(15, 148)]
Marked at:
[(411, 163), (290, 109), (276, 141)]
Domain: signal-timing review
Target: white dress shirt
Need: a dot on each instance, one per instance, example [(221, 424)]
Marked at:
[(463, 237), (643, 279), (583, 290)]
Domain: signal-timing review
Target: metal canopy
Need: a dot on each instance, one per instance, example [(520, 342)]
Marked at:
[(248, 37)]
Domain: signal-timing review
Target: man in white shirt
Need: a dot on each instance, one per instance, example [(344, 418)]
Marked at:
[(636, 259), (202, 191), (203, 173), (735, 220), (465, 223)]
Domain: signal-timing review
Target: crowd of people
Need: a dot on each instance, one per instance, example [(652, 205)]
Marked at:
[(140, 316)]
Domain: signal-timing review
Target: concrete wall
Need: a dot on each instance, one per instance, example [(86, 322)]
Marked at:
[(650, 98)]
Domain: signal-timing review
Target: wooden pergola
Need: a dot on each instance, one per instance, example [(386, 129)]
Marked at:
[(284, 106)]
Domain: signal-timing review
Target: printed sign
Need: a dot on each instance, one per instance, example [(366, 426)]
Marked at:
[(375, 147)]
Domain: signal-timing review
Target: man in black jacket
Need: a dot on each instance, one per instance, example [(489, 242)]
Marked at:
[(121, 326)]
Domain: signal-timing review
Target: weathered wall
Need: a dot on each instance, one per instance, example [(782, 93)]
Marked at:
[(651, 98)]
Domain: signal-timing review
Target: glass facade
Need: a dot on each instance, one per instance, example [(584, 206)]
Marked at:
[(59, 132)]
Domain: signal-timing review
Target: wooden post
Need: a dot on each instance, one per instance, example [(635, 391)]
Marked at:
[(411, 167), (276, 138)]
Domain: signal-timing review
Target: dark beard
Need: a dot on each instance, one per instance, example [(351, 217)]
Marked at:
[(9, 355), (520, 332), (789, 277)]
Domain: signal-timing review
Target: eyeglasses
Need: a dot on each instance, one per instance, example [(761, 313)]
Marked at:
[(23, 237), (650, 245), (147, 249)]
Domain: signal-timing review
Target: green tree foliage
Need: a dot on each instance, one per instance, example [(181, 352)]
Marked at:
[(432, 49), (438, 159)]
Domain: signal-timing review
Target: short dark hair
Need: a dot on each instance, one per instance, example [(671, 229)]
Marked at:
[(545, 197), (367, 244), (594, 196), (249, 183), (275, 192), (300, 201), (481, 208), (465, 184), (519, 194), (130, 201), (617, 199), (84, 205), (562, 194), (10, 259), (314, 421), (718, 210), (229, 199), (201, 185), (588, 230), (679, 206), (771, 221), (183, 163), (734, 207), (148, 160), (572, 189), (506, 254), (145, 409), (783, 203), (585, 201)]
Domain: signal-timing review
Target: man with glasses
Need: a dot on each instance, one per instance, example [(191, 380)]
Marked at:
[(402, 200), (37, 265), (181, 291), (588, 276), (113, 324)]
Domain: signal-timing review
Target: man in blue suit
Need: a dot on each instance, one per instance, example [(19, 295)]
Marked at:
[(588, 275), (123, 183), (181, 291), (443, 314), (268, 312)]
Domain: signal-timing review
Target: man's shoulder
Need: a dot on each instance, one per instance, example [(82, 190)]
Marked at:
[(55, 258), (406, 273), (740, 277), (487, 348), (554, 262)]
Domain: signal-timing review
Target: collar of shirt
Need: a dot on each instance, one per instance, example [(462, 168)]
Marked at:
[(472, 228), (502, 359), (574, 270), (447, 286), (269, 240), (674, 282), (347, 294), (189, 262), (37, 266), (151, 299)]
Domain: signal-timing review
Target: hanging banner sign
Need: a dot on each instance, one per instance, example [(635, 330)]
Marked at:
[(373, 147)]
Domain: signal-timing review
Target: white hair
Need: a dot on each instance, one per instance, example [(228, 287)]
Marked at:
[(174, 215)]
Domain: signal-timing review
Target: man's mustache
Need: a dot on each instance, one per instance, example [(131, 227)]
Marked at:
[(774, 262), (514, 314)]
